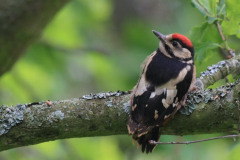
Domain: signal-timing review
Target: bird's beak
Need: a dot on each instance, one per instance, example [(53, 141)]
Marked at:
[(160, 36)]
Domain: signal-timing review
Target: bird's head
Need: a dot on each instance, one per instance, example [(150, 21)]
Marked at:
[(176, 46)]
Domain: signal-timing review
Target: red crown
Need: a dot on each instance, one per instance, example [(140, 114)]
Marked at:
[(184, 39)]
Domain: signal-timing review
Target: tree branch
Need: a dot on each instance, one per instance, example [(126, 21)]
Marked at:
[(22, 22), (219, 71), (103, 114), (106, 114)]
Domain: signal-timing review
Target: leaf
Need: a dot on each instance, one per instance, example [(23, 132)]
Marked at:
[(205, 38), (209, 8), (230, 26), (213, 7), (202, 7), (205, 32), (238, 34), (206, 7), (221, 8), (202, 49), (232, 8), (211, 19)]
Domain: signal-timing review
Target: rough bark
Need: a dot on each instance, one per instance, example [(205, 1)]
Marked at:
[(22, 22), (103, 114)]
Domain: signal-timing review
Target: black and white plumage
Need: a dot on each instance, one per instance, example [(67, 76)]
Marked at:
[(167, 77)]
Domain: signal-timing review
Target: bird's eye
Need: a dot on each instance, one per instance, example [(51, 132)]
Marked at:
[(174, 43)]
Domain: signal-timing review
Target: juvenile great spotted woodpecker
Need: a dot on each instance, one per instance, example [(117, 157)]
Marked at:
[(168, 75)]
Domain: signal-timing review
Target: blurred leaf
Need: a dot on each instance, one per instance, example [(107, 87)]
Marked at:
[(205, 32), (96, 148), (136, 32), (221, 7), (99, 10), (49, 58), (213, 6), (232, 8), (230, 25), (203, 49), (11, 91), (205, 38), (211, 19), (211, 9), (102, 70), (234, 154), (64, 34), (201, 6)]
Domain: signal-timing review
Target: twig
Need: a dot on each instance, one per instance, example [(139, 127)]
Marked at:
[(188, 142), (231, 52), (220, 31)]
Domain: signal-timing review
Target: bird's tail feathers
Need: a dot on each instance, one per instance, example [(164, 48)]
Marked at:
[(143, 140)]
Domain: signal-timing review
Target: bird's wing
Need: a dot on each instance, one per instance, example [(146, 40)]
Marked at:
[(152, 105)]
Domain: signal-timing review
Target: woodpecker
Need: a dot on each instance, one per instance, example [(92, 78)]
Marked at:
[(168, 75)]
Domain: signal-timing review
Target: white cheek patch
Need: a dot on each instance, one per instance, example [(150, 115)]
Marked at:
[(183, 53)]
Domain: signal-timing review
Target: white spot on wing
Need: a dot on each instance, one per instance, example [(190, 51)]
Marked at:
[(188, 68), (175, 104), (176, 100), (171, 94), (133, 107), (152, 94), (165, 117), (156, 114), (165, 104)]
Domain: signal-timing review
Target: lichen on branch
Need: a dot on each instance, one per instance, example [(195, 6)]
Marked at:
[(106, 114)]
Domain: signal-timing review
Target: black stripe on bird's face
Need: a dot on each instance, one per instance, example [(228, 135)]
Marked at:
[(170, 52)]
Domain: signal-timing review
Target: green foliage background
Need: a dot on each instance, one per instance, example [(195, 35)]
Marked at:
[(98, 45)]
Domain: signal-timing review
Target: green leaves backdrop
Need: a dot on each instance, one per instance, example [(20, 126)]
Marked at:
[(92, 46)]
